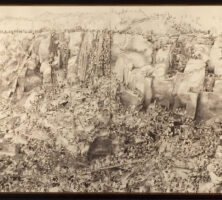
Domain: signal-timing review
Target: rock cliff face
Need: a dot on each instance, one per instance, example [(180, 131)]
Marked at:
[(178, 72), (181, 73)]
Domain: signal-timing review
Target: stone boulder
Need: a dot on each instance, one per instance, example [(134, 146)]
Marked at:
[(218, 68), (137, 59), (202, 51), (216, 59), (46, 70), (2, 48), (121, 40), (189, 82), (122, 63), (32, 65), (26, 43), (217, 86), (148, 90), (189, 100), (163, 55), (44, 49), (148, 55), (128, 98), (209, 105), (35, 45), (137, 48), (128, 73), (136, 81), (203, 48), (60, 76), (75, 42), (194, 64), (5, 94), (162, 91), (136, 78), (8, 74), (160, 70), (115, 52), (72, 69), (84, 53), (138, 43), (218, 42)]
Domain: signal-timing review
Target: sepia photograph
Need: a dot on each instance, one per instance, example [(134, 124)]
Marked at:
[(111, 99)]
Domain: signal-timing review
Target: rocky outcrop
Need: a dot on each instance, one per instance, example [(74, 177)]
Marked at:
[(202, 51), (215, 57), (44, 51), (75, 42), (32, 82), (122, 65), (72, 69), (46, 70), (138, 49), (84, 55), (195, 64), (187, 82), (138, 43), (160, 70), (217, 86), (186, 88), (148, 90), (189, 101), (137, 59), (145, 65), (163, 91), (128, 98), (163, 55), (136, 78), (94, 55), (209, 105)]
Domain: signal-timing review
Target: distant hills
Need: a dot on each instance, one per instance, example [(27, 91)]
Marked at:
[(135, 21)]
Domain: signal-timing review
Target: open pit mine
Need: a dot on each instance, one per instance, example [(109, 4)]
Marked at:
[(126, 103)]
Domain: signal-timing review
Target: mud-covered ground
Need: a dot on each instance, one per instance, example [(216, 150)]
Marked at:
[(46, 138)]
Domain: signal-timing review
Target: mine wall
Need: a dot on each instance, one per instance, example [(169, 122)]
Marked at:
[(179, 72)]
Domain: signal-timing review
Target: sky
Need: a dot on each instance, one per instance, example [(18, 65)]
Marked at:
[(31, 11), (205, 13)]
